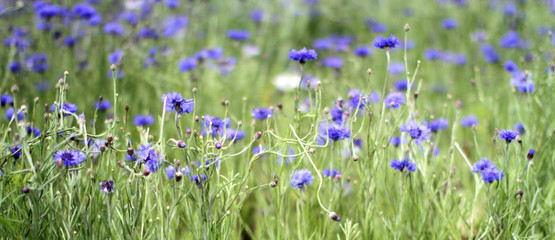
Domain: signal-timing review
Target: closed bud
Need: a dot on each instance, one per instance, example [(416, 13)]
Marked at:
[(181, 144), (218, 145), (355, 158), (126, 107), (195, 90), (333, 216), (15, 88), (130, 151), (257, 135), (273, 184), (280, 106), (326, 110), (102, 148), (178, 176), (59, 163), (146, 172), (519, 194), (113, 67), (121, 164), (530, 155), (197, 118), (109, 139), (26, 190), (406, 28)]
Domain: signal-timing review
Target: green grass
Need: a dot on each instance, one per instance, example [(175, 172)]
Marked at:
[(443, 199)]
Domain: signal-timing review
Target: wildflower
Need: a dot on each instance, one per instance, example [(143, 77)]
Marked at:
[(115, 57), (172, 3), (469, 121), (259, 150), (331, 173), (394, 100), (235, 135), (186, 65), (334, 132), (14, 67), (16, 152), (402, 85), (356, 100), (174, 25), (508, 135), (375, 26), (520, 128), (195, 178), (70, 158), (301, 178), (492, 174), (68, 108), (418, 133), (6, 99), (338, 113), (149, 157), (83, 11), (113, 28), (512, 40), (482, 165), (143, 120), (38, 62), (48, 11), (147, 32), (103, 105), (402, 165), (107, 186), (257, 15), (238, 35), (449, 23), (386, 43), (262, 113), (439, 124), (10, 113), (510, 66), (530, 154), (302, 55), (363, 51), (33, 130), (490, 54), (333, 62), (176, 103), (215, 125), (396, 68), (433, 54), (374, 97)]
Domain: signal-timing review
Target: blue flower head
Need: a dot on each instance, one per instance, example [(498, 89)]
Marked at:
[(449, 23), (508, 135), (482, 165), (107, 186), (83, 11), (33, 130), (103, 106), (67, 107), (10, 113), (302, 55), (356, 100), (439, 124), (174, 25), (235, 135), (490, 54), (288, 160), (363, 51), (262, 113), (215, 125), (386, 43), (70, 158), (469, 121), (520, 128), (490, 175), (149, 157), (301, 178), (238, 35), (418, 133), (394, 100), (176, 103), (510, 66), (186, 65), (333, 62), (113, 28), (402, 165), (16, 152), (334, 132), (143, 120), (333, 173)]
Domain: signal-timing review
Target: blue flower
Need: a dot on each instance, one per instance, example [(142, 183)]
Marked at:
[(386, 43), (512, 40), (492, 174), (301, 178), (143, 120), (490, 54), (174, 25), (333, 62), (103, 106), (302, 55), (337, 113), (418, 133), (520, 128), (67, 107), (394, 100), (33, 130), (396, 68), (10, 113), (83, 11), (402, 85), (288, 160), (334, 132), (374, 97), (16, 152), (331, 173), (129, 17), (449, 23), (115, 57), (262, 113), (172, 3), (106, 186), (482, 165), (70, 41), (195, 178), (238, 35), (188, 64), (113, 28), (6, 99), (402, 165), (149, 157), (510, 66), (48, 11), (235, 135), (259, 150), (176, 103), (356, 100), (37, 62), (147, 32), (215, 125), (396, 141), (433, 54), (375, 26), (257, 15), (363, 51), (469, 121), (14, 67), (70, 158), (508, 135), (439, 124)]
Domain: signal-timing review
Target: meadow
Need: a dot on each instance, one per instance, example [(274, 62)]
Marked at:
[(277, 119)]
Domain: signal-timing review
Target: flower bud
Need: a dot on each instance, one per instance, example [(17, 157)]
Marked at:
[(130, 151), (333, 216), (257, 135), (218, 145), (146, 172), (273, 184), (26, 190), (181, 144)]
